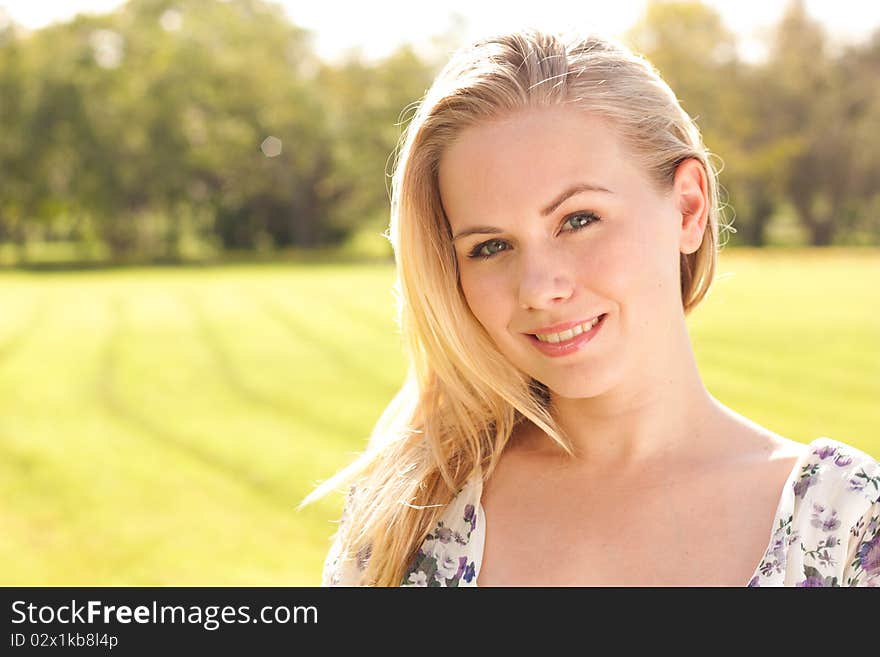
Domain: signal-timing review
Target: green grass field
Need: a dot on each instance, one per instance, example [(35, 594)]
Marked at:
[(159, 426)]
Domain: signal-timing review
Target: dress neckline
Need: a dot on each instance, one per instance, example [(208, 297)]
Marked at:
[(785, 501)]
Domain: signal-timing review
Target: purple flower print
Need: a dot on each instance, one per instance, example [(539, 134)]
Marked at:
[(447, 567), (826, 524), (774, 558), (857, 528), (769, 567), (857, 483), (831, 523), (462, 564), (825, 452), (444, 534), (826, 559), (869, 555), (469, 572), (778, 549), (842, 460), (831, 541), (861, 480), (470, 515), (800, 487), (814, 581)]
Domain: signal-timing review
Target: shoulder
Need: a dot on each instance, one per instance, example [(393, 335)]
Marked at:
[(836, 512), (340, 569), (837, 472), (449, 555), (826, 532)]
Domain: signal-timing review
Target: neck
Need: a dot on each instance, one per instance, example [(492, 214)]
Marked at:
[(662, 414)]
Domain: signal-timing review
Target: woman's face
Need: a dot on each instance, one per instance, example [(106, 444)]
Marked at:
[(612, 249)]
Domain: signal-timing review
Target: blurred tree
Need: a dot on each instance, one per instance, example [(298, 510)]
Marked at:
[(223, 78), (11, 145), (166, 104), (694, 52), (858, 69), (172, 120), (366, 106), (758, 155), (822, 106), (697, 56)]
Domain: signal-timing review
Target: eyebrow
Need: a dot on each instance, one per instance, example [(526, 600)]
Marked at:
[(577, 188)]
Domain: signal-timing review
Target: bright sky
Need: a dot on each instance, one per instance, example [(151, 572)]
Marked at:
[(379, 26)]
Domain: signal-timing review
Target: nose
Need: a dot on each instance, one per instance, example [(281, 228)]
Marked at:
[(544, 281)]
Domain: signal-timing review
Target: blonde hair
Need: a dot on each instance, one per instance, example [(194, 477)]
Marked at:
[(462, 398)]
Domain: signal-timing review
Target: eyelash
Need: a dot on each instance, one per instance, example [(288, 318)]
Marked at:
[(475, 252)]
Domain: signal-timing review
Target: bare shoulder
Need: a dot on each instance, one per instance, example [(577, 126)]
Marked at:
[(747, 442), (779, 447)]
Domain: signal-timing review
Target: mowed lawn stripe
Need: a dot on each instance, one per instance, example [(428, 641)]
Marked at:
[(160, 425)]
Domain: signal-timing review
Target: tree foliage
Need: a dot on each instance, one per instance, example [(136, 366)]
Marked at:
[(170, 121)]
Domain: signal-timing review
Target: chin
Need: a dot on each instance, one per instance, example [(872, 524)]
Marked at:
[(569, 391), (578, 383)]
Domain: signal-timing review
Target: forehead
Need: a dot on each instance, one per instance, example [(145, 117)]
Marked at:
[(522, 160)]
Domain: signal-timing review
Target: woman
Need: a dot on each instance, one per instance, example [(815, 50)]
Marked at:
[(555, 218)]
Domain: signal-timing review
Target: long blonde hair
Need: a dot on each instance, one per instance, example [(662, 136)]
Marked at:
[(462, 398)]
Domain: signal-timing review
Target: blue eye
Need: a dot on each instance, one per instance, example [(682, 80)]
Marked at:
[(584, 220)]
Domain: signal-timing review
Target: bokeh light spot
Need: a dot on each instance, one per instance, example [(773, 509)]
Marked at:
[(271, 146)]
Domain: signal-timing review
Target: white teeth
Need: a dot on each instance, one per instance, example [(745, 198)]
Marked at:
[(568, 334)]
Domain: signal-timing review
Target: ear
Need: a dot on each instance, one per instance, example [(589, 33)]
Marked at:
[(691, 193)]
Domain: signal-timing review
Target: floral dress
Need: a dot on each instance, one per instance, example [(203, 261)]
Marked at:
[(826, 531)]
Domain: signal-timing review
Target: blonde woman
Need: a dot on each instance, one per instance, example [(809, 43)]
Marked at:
[(555, 218)]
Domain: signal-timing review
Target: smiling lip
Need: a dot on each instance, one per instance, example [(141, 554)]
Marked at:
[(559, 328), (569, 346)]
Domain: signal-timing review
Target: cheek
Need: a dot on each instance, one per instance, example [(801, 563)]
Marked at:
[(483, 296), (645, 269), (631, 271), (610, 269)]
